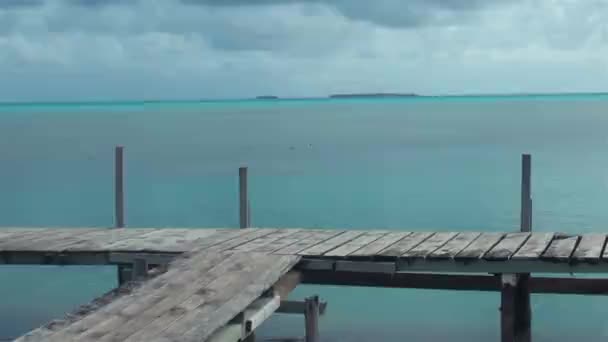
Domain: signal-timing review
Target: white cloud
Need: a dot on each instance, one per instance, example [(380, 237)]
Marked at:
[(61, 50)]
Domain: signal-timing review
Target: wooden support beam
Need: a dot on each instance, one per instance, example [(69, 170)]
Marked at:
[(250, 337), (140, 269), (581, 286), (311, 319), (53, 258), (119, 200), (298, 307), (259, 311), (124, 274), (286, 284), (244, 219), (242, 327), (151, 258)]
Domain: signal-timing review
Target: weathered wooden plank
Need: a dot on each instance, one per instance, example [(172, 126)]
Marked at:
[(152, 240), (429, 245), (284, 242), (99, 241), (332, 243), (182, 277), (215, 304), (265, 240), (356, 244), (508, 246), (454, 246), (561, 248), (179, 240), (534, 246), (382, 243), (405, 244), (315, 238), (132, 319), (590, 248), (43, 333), (60, 239), (48, 239), (480, 246), (19, 240), (250, 235), (6, 233)]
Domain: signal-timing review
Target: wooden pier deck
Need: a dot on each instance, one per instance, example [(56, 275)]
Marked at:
[(215, 275), (329, 249)]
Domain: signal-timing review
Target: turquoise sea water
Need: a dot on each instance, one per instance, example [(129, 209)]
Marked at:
[(402, 164)]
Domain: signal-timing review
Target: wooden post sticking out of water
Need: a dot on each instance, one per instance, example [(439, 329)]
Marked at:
[(311, 319), (526, 197), (516, 314), (523, 311), (244, 217), (119, 187)]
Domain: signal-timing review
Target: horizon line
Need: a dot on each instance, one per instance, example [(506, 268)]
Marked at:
[(362, 95)]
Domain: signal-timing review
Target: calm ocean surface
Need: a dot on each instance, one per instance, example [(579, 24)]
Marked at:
[(417, 164)]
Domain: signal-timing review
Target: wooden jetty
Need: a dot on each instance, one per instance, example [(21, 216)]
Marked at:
[(220, 284), (215, 275)]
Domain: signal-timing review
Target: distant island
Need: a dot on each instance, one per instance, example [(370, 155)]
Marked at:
[(267, 97), (371, 95)]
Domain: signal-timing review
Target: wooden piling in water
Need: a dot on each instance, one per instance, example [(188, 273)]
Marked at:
[(523, 311), (526, 197), (507, 307), (311, 319), (244, 218), (119, 187), (516, 313)]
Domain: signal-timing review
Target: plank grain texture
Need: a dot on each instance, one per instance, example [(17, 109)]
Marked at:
[(455, 245), (355, 244), (534, 247), (480, 246), (405, 244), (508, 246), (429, 245), (561, 248), (198, 295)]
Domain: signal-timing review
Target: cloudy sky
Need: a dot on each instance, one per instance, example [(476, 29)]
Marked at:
[(174, 49)]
